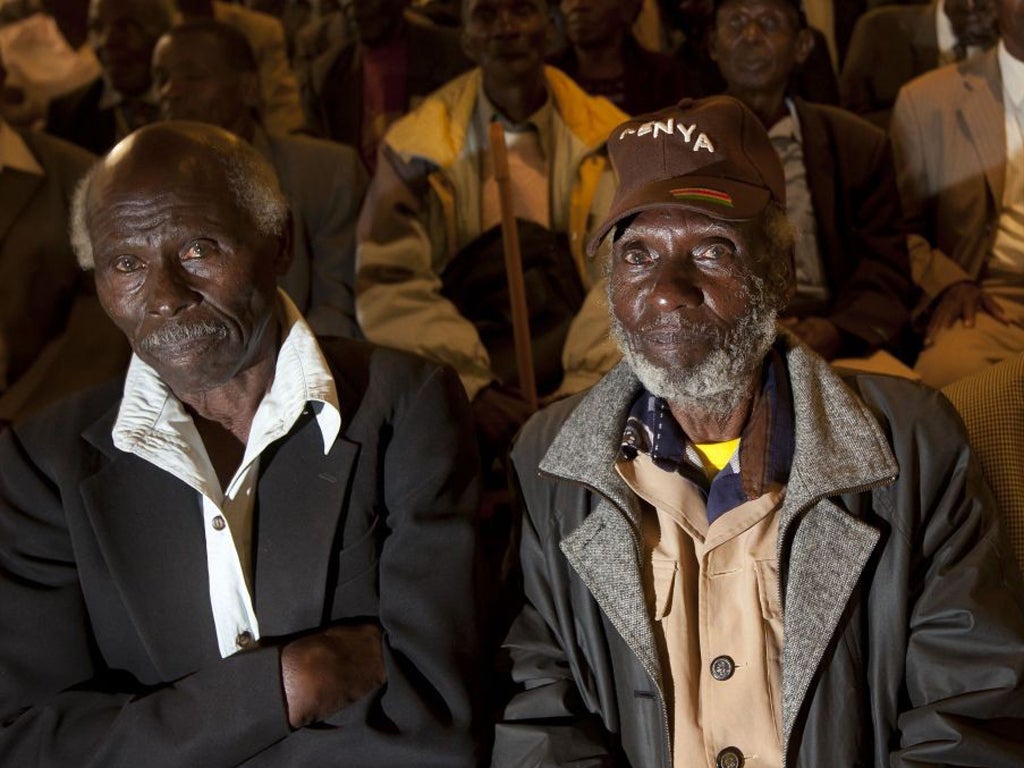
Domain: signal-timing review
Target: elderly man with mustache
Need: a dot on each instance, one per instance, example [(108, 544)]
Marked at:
[(730, 556), (259, 546)]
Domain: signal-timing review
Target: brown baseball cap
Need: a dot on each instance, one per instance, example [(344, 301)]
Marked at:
[(711, 155)]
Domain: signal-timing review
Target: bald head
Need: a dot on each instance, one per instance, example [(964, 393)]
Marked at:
[(180, 156)]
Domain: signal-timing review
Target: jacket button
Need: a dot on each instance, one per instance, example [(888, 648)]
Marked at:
[(730, 757), (722, 667)]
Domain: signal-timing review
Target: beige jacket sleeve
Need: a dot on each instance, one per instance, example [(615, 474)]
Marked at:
[(398, 284), (589, 352), (931, 269)]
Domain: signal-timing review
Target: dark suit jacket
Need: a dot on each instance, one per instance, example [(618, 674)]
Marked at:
[(77, 117), (890, 46), (652, 80), (39, 276), (325, 183), (861, 237), (108, 654), (58, 340), (333, 91)]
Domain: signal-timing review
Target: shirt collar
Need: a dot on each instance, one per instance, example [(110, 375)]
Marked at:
[(1012, 72), (766, 443), (539, 121), (944, 35), (150, 416), (787, 127), (15, 154)]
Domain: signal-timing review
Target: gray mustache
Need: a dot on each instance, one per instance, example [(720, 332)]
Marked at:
[(179, 333)]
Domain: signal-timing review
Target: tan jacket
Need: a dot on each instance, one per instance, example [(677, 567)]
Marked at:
[(427, 181), (949, 143)]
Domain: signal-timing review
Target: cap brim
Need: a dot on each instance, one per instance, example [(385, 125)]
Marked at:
[(718, 197)]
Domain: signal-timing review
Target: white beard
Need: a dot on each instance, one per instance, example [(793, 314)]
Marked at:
[(718, 384)]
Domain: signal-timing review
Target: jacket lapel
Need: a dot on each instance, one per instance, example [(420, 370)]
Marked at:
[(823, 548), (839, 448), (981, 118), (301, 499), (16, 189), (604, 552), (604, 549), (148, 527), (819, 165)]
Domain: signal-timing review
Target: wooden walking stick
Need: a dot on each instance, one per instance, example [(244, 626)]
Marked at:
[(513, 267)]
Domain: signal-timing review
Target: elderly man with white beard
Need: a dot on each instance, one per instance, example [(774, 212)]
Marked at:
[(730, 555)]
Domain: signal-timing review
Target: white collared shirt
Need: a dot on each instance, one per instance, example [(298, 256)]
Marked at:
[(811, 285), (154, 425), (527, 144), (1008, 249), (15, 154)]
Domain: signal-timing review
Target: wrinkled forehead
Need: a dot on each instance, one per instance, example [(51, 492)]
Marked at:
[(138, 176)]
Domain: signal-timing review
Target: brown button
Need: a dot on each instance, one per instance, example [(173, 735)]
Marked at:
[(722, 667), (218, 523), (245, 640), (730, 757)]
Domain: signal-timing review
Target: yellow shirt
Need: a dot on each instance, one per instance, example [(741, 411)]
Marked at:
[(716, 455)]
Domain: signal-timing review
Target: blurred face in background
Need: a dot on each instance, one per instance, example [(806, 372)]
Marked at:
[(123, 33), (194, 80), (593, 23), (975, 22), (377, 21), (757, 43), (507, 38)]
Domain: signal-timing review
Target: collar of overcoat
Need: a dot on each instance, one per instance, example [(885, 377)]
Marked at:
[(822, 547)]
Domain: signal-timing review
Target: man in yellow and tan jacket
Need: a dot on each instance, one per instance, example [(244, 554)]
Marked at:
[(434, 192)]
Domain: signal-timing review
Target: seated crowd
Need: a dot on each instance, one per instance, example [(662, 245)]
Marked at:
[(512, 383)]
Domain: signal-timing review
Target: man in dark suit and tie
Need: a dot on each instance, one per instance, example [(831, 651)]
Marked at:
[(257, 548)]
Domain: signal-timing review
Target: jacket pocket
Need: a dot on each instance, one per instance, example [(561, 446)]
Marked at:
[(771, 621), (664, 577), (356, 577), (768, 589)]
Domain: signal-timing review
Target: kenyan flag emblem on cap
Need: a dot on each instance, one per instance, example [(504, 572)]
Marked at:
[(703, 194)]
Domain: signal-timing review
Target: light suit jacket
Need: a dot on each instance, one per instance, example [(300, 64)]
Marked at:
[(949, 141)]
